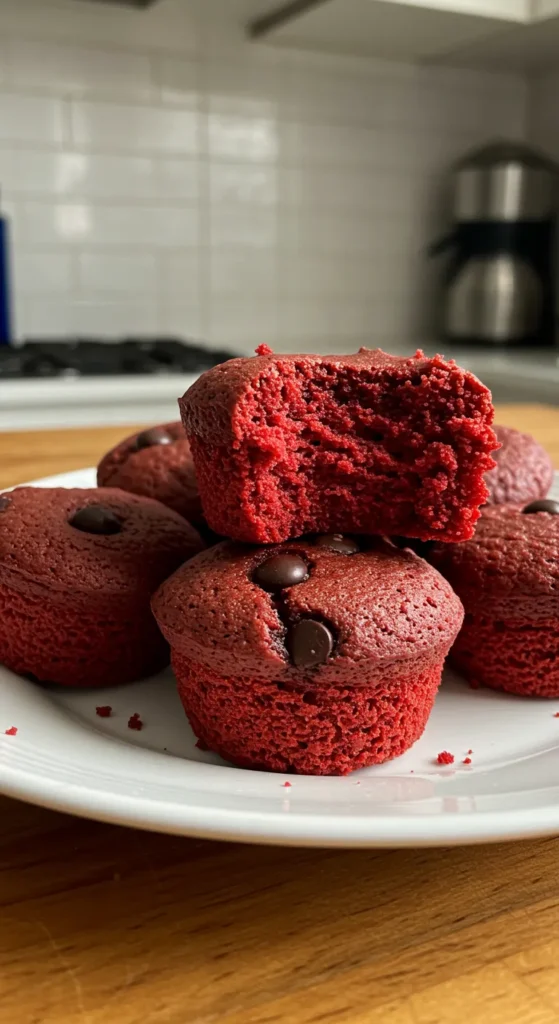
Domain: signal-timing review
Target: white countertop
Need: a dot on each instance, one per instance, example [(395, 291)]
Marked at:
[(90, 401)]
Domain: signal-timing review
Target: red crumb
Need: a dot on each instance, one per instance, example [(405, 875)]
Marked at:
[(287, 785), (104, 711), (467, 760), (474, 685), (264, 350), (556, 715), (135, 722), (12, 731), (445, 758), (470, 751)]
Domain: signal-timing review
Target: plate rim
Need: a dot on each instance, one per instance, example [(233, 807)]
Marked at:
[(275, 826)]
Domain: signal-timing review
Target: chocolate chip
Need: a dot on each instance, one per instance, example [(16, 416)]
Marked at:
[(543, 505), (5, 500), (310, 643), (155, 435), (281, 571), (337, 542), (96, 519)]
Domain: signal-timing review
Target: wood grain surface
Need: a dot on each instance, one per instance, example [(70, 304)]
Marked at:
[(102, 925)]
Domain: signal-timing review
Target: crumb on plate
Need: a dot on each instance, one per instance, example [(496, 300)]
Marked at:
[(445, 758)]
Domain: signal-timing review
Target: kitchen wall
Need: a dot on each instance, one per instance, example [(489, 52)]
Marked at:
[(162, 175), (543, 112)]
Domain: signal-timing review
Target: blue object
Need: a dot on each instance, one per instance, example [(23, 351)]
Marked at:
[(5, 311)]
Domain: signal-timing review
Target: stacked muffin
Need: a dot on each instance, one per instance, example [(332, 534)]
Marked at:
[(308, 641)]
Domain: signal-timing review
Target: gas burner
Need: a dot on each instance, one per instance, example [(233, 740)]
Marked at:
[(88, 357)]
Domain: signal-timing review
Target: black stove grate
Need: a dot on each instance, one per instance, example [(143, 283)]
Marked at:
[(88, 357)]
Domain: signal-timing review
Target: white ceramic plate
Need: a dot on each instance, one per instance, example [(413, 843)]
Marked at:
[(64, 756)]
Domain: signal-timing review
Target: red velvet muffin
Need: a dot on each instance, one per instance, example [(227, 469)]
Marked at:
[(314, 656), (508, 580), (524, 470), (367, 443), (155, 463), (77, 570)]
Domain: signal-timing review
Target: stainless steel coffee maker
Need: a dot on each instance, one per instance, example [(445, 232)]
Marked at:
[(499, 286)]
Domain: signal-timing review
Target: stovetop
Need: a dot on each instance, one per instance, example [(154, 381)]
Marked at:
[(89, 357)]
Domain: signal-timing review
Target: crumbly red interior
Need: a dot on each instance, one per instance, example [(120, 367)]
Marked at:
[(75, 644), (517, 655), (321, 447), (332, 730)]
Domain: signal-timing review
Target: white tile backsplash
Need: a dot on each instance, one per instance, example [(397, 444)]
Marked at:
[(180, 276), (250, 88), (38, 316), (244, 321), (239, 183), (310, 275), (79, 70), (178, 178), (123, 273), (35, 119), (250, 272), (182, 319), (178, 80), (243, 226), (242, 137), (134, 127), (45, 272), (138, 315), (73, 174), (115, 225), (163, 174)]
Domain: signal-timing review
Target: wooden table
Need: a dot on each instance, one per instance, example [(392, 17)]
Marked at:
[(102, 925)]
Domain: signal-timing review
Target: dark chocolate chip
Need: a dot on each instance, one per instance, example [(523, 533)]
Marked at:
[(5, 500), (280, 571), (337, 542), (155, 435), (543, 505), (96, 519), (310, 643)]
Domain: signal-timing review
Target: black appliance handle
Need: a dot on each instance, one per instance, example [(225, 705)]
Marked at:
[(478, 238)]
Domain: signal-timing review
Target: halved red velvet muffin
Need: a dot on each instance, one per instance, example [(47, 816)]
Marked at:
[(365, 444)]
